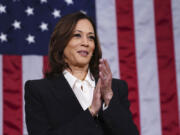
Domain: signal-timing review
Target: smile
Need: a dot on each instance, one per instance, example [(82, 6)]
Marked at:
[(83, 53)]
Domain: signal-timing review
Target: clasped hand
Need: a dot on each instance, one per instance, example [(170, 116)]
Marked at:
[(103, 91)]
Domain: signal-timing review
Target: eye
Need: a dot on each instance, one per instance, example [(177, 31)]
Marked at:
[(77, 35), (91, 37)]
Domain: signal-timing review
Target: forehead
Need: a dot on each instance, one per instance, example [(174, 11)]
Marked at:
[(84, 25)]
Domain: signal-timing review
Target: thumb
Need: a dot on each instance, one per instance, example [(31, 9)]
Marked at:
[(98, 86)]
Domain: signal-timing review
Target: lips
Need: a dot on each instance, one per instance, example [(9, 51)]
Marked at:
[(83, 53)]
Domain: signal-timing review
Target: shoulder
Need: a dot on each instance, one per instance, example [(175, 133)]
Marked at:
[(43, 86), (37, 86), (33, 85), (37, 82), (119, 83), (120, 87)]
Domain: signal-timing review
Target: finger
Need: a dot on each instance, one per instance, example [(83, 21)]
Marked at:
[(103, 69), (102, 74), (102, 78), (101, 61), (98, 86), (98, 83), (108, 69), (107, 66)]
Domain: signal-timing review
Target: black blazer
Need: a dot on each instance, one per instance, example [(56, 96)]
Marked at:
[(52, 109)]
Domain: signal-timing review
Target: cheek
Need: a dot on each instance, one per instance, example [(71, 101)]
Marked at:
[(70, 53), (69, 48), (92, 47), (67, 52)]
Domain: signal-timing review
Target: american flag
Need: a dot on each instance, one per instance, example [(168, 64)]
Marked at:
[(139, 38)]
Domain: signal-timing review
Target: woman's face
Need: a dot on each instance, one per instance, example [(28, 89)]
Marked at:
[(80, 48)]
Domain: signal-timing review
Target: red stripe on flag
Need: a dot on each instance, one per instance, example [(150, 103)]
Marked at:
[(12, 95), (166, 67), (127, 56)]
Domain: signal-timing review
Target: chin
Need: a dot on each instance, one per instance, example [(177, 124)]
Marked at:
[(83, 63)]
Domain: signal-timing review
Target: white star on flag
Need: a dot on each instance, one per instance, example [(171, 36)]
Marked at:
[(43, 1), (29, 11), (56, 13), (44, 26), (3, 37), (17, 25), (2, 9), (30, 39), (69, 2)]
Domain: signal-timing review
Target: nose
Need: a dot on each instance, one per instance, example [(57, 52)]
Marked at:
[(85, 41)]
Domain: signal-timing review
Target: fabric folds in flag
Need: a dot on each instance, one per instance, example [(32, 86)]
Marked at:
[(140, 40)]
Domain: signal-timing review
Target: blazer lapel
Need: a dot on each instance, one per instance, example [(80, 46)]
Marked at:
[(64, 93)]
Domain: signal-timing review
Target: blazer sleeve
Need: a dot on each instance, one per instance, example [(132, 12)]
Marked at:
[(117, 117), (37, 118)]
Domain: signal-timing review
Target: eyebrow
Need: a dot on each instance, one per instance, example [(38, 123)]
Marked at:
[(81, 32)]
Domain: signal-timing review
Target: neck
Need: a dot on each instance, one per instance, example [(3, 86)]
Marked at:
[(79, 72)]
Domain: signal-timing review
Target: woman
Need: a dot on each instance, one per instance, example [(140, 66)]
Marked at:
[(78, 95)]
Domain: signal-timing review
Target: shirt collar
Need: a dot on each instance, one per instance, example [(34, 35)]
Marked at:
[(90, 79), (72, 79)]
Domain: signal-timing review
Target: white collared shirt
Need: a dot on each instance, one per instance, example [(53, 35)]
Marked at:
[(83, 90)]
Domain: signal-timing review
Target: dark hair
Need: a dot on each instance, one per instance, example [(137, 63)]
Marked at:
[(60, 37)]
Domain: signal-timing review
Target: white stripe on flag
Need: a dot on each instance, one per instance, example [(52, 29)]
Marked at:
[(176, 31), (106, 24), (146, 56), (32, 69), (1, 97)]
